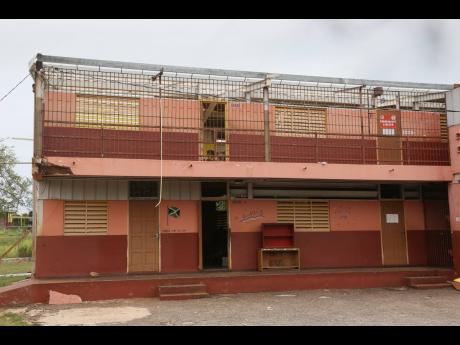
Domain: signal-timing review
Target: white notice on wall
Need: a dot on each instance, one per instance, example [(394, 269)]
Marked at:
[(392, 218), (457, 219)]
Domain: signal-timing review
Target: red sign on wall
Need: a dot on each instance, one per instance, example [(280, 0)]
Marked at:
[(388, 124), (388, 121)]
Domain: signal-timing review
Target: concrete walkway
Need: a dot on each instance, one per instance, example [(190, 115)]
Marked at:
[(391, 306)]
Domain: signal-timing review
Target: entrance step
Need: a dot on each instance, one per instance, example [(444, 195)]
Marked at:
[(428, 282), (181, 292)]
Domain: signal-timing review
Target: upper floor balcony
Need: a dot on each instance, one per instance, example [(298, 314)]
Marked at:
[(106, 112)]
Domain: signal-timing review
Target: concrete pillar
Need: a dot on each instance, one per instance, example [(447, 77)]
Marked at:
[(453, 122)]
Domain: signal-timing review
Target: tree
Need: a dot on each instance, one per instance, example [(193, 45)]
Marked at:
[(15, 190)]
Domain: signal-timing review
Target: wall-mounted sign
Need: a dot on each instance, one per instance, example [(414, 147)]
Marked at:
[(388, 124), (457, 219), (174, 212), (392, 218)]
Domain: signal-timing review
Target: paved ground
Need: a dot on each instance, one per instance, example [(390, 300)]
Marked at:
[(400, 306)]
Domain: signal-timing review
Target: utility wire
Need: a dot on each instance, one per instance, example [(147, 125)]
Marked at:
[(15, 87)]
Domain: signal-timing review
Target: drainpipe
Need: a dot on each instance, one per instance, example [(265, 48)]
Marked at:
[(266, 124)]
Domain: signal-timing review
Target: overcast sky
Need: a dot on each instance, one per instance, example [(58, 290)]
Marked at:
[(401, 50)]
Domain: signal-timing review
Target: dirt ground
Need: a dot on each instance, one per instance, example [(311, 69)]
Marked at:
[(392, 306)]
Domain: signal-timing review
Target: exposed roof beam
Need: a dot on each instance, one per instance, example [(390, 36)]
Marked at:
[(230, 73)]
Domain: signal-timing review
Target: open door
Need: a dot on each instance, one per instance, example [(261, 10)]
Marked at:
[(394, 244), (214, 234), (213, 137), (389, 145)]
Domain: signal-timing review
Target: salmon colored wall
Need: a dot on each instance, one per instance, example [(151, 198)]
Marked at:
[(59, 106), (354, 215), (413, 215), (229, 169), (348, 121), (117, 214), (422, 124), (454, 144), (176, 113), (249, 116), (53, 218), (248, 215), (454, 206), (186, 223)]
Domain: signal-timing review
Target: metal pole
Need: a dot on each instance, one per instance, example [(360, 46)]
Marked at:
[(266, 125)]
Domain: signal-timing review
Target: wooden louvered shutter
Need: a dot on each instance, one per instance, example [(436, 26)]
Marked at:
[(85, 217), (305, 215), (107, 112), (443, 126), (303, 121)]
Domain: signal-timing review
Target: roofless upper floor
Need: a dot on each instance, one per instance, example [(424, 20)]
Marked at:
[(95, 108)]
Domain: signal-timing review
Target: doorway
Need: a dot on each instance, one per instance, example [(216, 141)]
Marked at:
[(143, 248), (394, 246), (389, 145), (214, 234), (213, 136)]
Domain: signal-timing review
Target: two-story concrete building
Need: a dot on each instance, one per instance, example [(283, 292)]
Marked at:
[(142, 168)]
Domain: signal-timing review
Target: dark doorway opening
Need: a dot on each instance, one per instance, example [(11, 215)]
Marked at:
[(214, 234)]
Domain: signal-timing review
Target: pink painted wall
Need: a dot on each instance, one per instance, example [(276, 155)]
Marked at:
[(414, 215), (53, 218), (422, 124), (228, 169), (454, 145), (454, 206), (188, 221), (242, 115), (117, 214), (176, 113), (354, 215), (248, 215), (59, 106)]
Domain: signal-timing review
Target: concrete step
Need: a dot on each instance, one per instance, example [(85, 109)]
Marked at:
[(431, 286), (183, 296), (180, 289), (426, 280)]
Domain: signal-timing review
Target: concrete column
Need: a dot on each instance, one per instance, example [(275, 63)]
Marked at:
[(453, 123)]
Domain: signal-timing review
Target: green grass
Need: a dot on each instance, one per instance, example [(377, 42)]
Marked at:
[(16, 267), (12, 319), (4, 281), (8, 237)]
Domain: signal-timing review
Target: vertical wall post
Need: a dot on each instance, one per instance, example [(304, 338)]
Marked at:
[(266, 125), (453, 123)]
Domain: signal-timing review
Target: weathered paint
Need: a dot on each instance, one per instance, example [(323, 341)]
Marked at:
[(248, 215), (346, 215), (179, 252), (220, 169), (187, 222), (53, 218), (414, 215), (117, 217), (66, 256)]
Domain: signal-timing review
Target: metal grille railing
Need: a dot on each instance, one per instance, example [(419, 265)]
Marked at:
[(98, 113)]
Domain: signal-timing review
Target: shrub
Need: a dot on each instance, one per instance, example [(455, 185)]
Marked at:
[(25, 250)]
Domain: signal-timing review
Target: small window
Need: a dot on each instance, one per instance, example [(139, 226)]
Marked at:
[(143, 189), (305, 215), (85, 217), (291, 121), (107, 112)]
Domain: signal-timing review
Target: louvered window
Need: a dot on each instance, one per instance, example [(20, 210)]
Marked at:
[(107, 112), (305, 215), (443, 125), (303, 121), (85, 217)]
